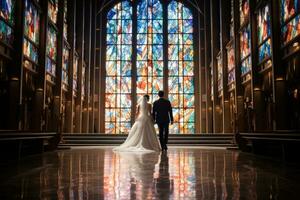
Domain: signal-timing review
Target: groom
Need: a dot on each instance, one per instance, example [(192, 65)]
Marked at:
[(162, 115)]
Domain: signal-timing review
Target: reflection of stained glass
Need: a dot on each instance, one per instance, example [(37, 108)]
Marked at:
[(7, 11), (30, 51), (264, 51), (220, 73), (181, 68), (246, 66), (263, 24), (244, 11), (32, 22), (118, 69), (245, 42), (6, 33), (290, 30), (288, 9), (53, 10)]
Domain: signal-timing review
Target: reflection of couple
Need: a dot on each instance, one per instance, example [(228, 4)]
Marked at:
[(142, 136), (145, 182)]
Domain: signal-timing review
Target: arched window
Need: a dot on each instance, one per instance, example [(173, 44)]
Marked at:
[(163, 60)]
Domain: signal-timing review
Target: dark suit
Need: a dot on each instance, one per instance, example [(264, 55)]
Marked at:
[(162, 115)]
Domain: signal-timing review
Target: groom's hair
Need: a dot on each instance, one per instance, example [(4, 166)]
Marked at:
[(161, 93)]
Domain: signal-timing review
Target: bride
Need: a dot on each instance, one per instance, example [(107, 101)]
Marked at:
[(142, 136)]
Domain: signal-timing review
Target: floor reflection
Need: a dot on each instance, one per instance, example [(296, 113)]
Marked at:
[(176, 174)]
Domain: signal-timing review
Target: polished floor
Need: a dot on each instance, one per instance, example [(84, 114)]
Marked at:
[(181, 173)]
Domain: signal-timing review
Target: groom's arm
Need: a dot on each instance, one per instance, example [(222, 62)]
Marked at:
[(171, 113)]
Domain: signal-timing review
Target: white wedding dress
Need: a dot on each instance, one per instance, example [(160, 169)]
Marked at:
[(142, 136)]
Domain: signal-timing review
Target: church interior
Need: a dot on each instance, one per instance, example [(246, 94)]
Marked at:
[(72, 73)]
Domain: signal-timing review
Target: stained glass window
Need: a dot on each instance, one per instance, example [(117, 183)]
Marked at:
[(30, 51), (51, 50), (65, 19), (7, 11), (288, 9), (53, 10), (7, 20), (149, 62), (290, 30), (75, 74), (181, 67), (220, 73), (83, 82), (244, 11), (264, 33), (245, 47), (231, 19), (149, 48), (65, 67), (32, 22), (290, 20), (6, 33), (211, 83), (118, 69), (231, 64)]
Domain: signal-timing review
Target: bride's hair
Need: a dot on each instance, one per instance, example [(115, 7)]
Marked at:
[(146, 96)]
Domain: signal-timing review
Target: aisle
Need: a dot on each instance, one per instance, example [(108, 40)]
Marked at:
[(181, 173)]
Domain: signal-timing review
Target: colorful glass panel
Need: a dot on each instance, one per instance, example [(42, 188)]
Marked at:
[(52, 43), (50, 66), (83, 82), (150, 48), (65, 69), (53, 10), (245, 44), (30, 51), (244, 11), (6, 33), (265, 51), (288, 8), (118, 69), (230, 64), (263, 24), (290, 30), (7, 11), (181, 67), (32, 22), (65, 19), (75, 73), (220, 73), (7, 21), (246, 66)]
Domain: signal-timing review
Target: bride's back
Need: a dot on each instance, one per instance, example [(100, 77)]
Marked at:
[(144, 107)]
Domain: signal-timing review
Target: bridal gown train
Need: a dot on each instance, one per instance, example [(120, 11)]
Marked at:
[(142, 136)]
